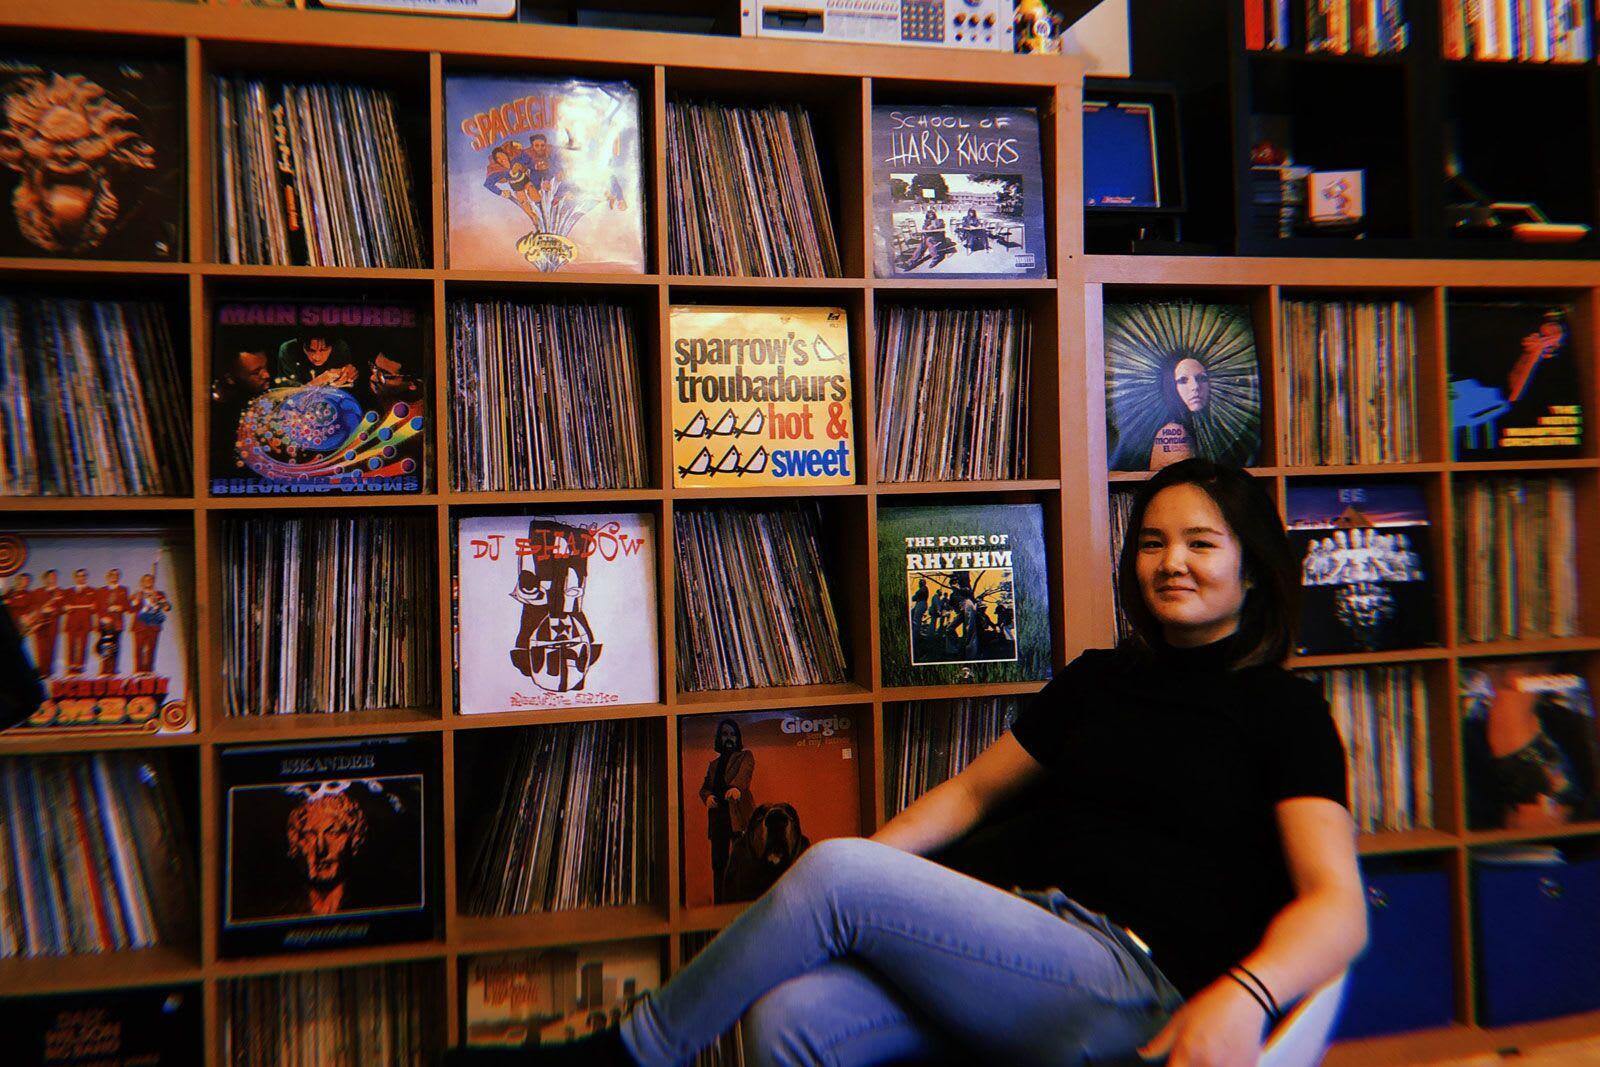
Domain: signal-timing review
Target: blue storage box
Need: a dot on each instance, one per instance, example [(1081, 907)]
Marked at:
[(1538, 938), (1405, 980)]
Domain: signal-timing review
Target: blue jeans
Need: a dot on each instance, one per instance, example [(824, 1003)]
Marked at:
[(865, 954)]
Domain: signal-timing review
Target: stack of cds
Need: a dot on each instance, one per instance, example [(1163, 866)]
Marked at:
[(312, 174), (575, 826), (1516, 550), (92, 402), (931, 741), (544, 396), (745, 194), (1382, 714), (327, 614), (386, 1015), (753, 605), (91, 855), (952, 393)]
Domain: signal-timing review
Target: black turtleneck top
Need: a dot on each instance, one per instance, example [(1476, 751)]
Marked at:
[(1165, 766)]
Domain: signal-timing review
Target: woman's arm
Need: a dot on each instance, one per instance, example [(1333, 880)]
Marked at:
[(950, 809)]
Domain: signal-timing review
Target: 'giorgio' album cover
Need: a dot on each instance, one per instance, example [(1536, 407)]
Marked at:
[(154, 1027), (964, 594), (555, 995), (758, 788), (556, 611), (325, 845), (1366, 581), (104, 619), (544, 174), (311, 397), (91, 157), (1514, 390)]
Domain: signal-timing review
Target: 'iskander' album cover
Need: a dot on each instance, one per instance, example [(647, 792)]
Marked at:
[(325, 845), (556, 611), (104, 619), (313, 397), (544, 174)]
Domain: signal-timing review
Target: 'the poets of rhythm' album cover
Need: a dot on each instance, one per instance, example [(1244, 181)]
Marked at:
[(104, 619), (556, 611), (313, 397), (544, 174)]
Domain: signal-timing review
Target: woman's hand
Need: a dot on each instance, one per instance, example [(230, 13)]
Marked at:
[(1219, 1027)]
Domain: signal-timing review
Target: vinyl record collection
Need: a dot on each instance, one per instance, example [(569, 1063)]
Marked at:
[(952, 393), (1382, 715), (728, 1049), (92, 857), (1516, 552), (346, 1018), (93, 401), (1121, 511), (296, 185), (329, 613), (929, 741), (575, 826), (753, 605), (545, 396), (1349, 369), (1539, 31), (745, 194)]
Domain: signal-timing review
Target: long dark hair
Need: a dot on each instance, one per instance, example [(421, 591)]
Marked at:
[(1272, 600), (738, 736)]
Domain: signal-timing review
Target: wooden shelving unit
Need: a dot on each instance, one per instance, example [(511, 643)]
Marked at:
[(1068, 465)]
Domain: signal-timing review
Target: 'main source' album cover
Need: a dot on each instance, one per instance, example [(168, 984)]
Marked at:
[(758, 788), (325, 845), (1514, 390), (1363, 552), (556, 611), (104, 619), (957, 192), (555, 995), (963, 594), (317, 397), (91, 158), (1182, 380), (544, 174)]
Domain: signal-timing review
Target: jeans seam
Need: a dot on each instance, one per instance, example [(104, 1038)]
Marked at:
[(878, 1023)]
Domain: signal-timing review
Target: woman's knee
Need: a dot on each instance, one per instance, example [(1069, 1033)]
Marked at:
[(839, 858), (774, 1028)]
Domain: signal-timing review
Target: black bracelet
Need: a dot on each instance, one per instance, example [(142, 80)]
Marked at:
[(1257, 996), (1274, 1012)]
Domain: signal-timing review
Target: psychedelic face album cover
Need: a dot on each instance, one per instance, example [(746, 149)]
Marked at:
[(544, 174), (325, 845), (556, 611), (964, 594), (957, 192), (1514, 390), (317, 397), (556, 995), (758, 788), (91, 157), (104, 618), (154, 1027), (1364, 559), (1182, 380)]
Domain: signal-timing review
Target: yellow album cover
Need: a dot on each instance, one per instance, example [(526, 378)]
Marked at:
[(761, 396)]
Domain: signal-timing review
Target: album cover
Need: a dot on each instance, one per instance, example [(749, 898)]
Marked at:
[(555, 611), (761, 396), (1366, 577), (758, 788), (1514, 391), (105, 620), (555, 995), (958, 192), (154, 1027), (544, 174), (326, 845), (1530, 742), (91, 157), (963, 594), (1182, 380), (313, 397)]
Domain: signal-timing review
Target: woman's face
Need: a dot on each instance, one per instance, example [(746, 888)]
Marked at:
[(1194, 384), (1190, 566)]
